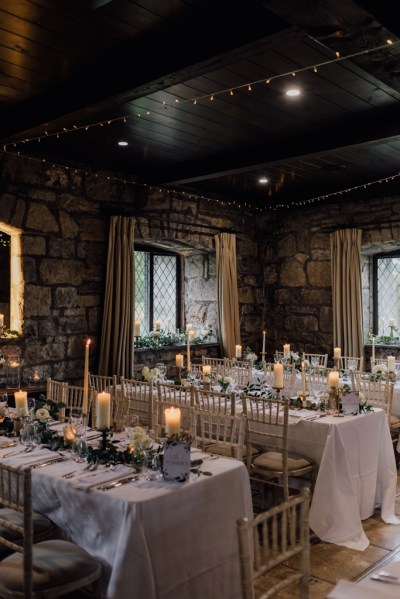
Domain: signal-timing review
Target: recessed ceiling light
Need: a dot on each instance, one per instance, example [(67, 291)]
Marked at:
[(263, 180), (122, 143), (293, 91)]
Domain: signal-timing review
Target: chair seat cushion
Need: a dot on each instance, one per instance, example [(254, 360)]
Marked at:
[(225, 450), (272, 460), (394, 421), (43, 528), (55, 563)]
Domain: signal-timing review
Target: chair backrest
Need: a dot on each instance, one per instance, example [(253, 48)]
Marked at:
[(270, 539), (225, 431), (16, 493), (217, 364), (316, 359), (140, 395), (241, 371), (214, 401), (187, 417), (377, 390), (267, 425), (377, 361), (176, 395), (350, 363), (74, 397), (316, 374), (56, 390), (289, 376), (102, 383)]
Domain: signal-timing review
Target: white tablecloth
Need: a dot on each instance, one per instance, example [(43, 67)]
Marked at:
[(156, 540), (368, 588), (357, 472)]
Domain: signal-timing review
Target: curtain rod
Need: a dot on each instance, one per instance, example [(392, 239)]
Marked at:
[(360, 225)]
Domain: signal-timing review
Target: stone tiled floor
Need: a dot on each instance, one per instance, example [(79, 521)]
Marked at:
[(329, 562)]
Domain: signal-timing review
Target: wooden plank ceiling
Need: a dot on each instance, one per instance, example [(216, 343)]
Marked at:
[(184, 82)]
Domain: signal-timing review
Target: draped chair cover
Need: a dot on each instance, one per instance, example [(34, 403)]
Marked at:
[(227, 293), (347, 291), (117, 340)]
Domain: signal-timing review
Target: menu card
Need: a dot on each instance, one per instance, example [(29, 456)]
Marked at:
[(176, 463), (350, 403)]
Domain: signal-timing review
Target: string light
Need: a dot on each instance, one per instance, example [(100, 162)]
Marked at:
[(192, 195), (249, 85)]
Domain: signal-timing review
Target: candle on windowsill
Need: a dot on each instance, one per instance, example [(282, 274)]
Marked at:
[(263, 344), (206, 369), (303, 380), (179, 361), (391, 362), (189, 326), (157, 325), (21, 403), (373, 350), (238, 351), (278, 376), (86, 381), (103, 416), (172, 421), (391, 322), (1, 321), (286, 351), (136, 329), (337, 353), (188, 366)]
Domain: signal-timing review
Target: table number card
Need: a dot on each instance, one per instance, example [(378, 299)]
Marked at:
[(176, 463), (350, 403)]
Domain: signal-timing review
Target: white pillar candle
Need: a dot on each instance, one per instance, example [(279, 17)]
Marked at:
[(278, 376), (136, 329), (333, 379), (103, 410), (337, 353), (189, 326), (86, 380), (188, 366), (391, 322), (238, 351), (206, 369), (373, 350), (286, 351), (391, 360), (1, 320), (172, 421), (263, 343), (303, 380), (21, 403), (179, 360), (158, 325)]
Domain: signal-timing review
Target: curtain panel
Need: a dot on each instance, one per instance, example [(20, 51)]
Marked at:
[(117, 340), (348, 330), (227, 293)]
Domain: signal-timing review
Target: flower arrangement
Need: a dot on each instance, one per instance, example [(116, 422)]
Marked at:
[(225, 382), (156, 339), (140, 438), (249, 355), (8, 333), (150, 374)]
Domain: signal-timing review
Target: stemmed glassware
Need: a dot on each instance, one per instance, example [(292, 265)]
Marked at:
[(162, 371), (351, 364)]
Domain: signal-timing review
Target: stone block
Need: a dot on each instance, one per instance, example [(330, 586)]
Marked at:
[(292, 274), (319, 273), (65, 297), (74, 325), (41, 219), (286, 246), (69, 227), (29, 267), (246, 295), (61, 248), (37, 301), (58, 272), (33, 244)]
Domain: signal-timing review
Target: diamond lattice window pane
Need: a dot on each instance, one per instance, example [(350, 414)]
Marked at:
[(142, 290), (388, 285), (165, 299)]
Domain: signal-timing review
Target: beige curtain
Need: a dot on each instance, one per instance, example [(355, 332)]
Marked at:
[(347, 291), (117, 341), (227, 293)]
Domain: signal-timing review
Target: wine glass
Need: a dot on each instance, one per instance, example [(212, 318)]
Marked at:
[(351, 364), (28, 435), (130, 421), (162, 371), (314, 361)]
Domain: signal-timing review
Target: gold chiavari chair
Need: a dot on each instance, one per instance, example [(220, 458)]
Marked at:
[(214, 401), (103, 384), (271, 539), (316, 359), (267, 428), (376, 389), (223, 434), (140, 395), (51, 568), (118, 411), (349, 363), (217, 365), (56, 390)]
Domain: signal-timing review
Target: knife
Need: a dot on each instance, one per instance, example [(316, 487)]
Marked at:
[(117, 483), (48, 462), (387, 579)]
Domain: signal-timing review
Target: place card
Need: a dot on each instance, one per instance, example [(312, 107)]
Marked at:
[(350, 403), (176, 462)]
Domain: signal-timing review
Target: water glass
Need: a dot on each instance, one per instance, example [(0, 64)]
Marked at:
[(130, 421), (162, 371), (28, 435), (351, 364)]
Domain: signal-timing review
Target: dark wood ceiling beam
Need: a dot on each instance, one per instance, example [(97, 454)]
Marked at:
[(147, 64), (366, 130)]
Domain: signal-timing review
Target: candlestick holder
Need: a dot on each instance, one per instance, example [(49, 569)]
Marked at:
[(80, 447), (263, 354), (303, 397), (105, 432), (334, 401), (391, 327), (136, 340), (278, 392), (336, 363), (179, 368)]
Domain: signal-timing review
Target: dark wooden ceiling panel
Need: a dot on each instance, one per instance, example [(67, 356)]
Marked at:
[(70, 72)]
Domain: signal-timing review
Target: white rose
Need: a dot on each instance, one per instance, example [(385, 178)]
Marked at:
[(361, 398), (42, 414), (145, 371), (379, 368)]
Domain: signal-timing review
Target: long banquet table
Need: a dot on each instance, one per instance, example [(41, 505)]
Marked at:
[(155, 539), (357, 473)]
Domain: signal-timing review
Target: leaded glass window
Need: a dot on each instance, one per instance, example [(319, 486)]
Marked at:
[(386, 292)]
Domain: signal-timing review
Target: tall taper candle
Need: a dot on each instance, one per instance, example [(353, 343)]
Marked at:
[(278, 376), (188, 350), (303, 380), (86, 380), (263, 343), (373, 350)]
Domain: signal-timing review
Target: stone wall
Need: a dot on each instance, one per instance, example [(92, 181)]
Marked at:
[(64, 215)]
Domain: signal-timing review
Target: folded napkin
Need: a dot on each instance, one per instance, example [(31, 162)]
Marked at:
[(29, 458), (357, 590), (88, 479)]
